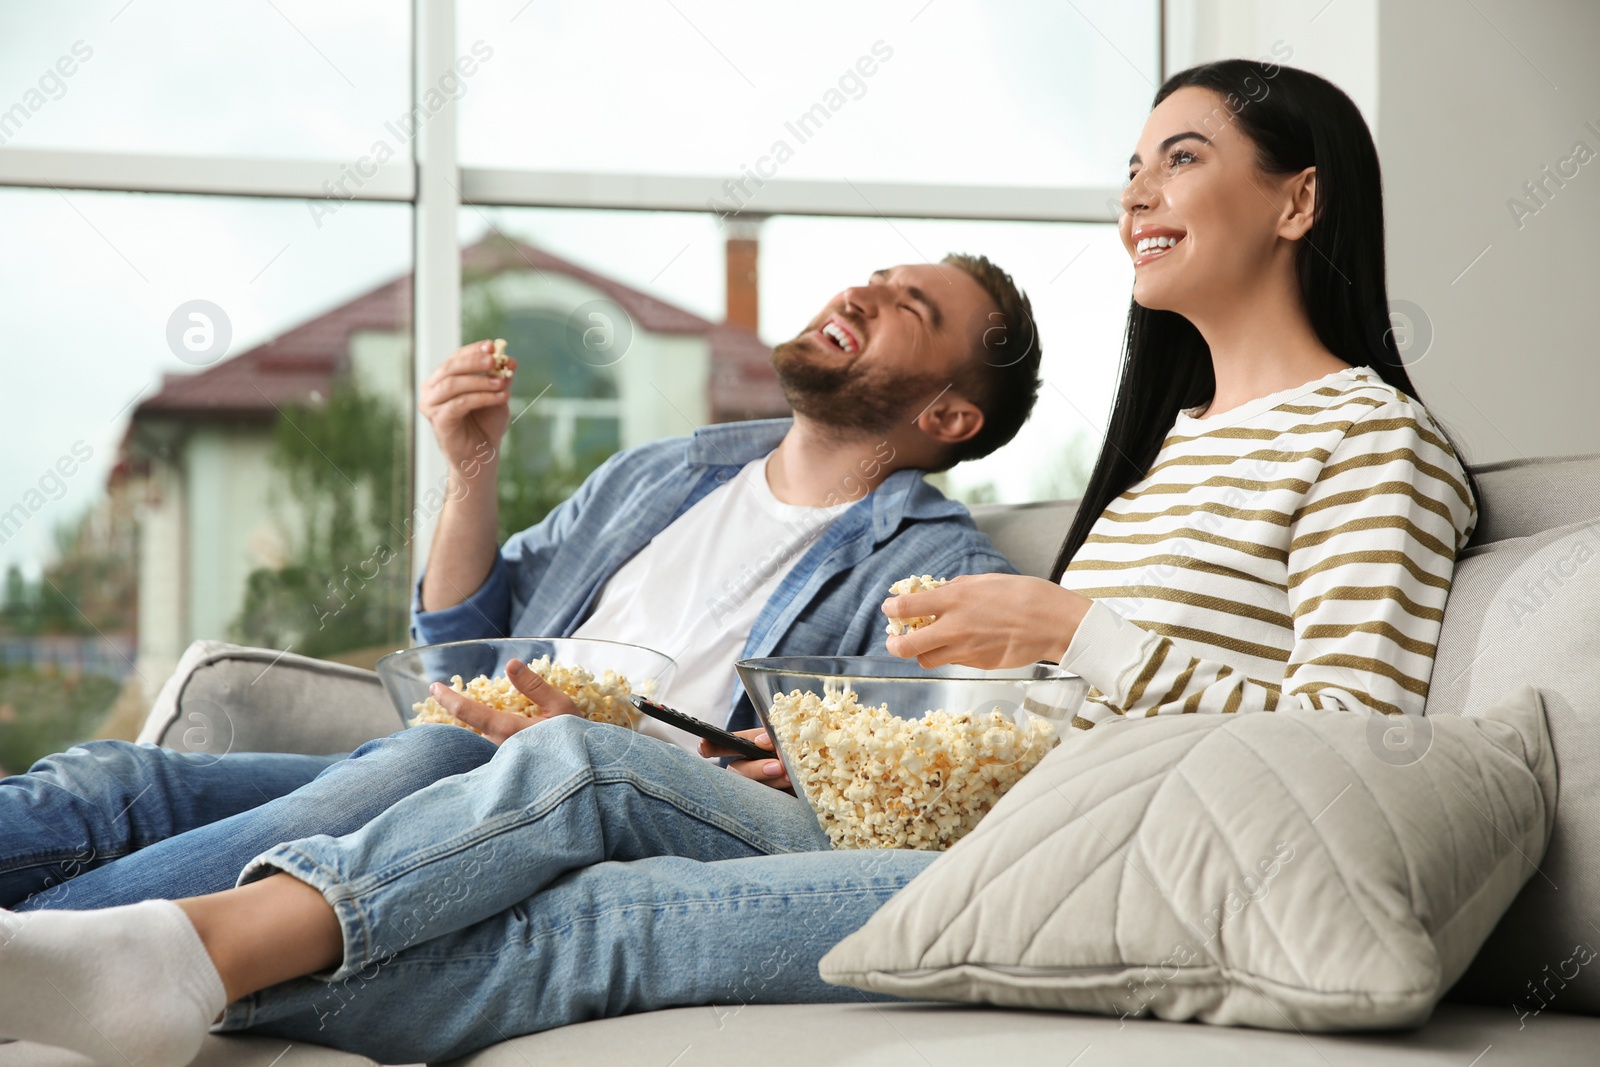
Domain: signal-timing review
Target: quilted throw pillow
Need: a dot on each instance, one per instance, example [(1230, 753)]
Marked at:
[(1321, 871)]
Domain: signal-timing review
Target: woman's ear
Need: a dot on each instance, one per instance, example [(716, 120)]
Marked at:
[(950, 419), (1301, 190)]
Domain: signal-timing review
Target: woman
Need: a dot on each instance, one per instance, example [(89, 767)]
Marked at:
[(1272, 506), (1271, 493)]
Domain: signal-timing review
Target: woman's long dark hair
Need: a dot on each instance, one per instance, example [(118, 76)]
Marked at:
[(1296, 120)]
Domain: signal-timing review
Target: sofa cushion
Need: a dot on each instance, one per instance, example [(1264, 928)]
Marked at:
[(216, 1051), (226, 698), (1281, 871), (920, 1035), (1527, 496), (1029, 535), (1527, 611)]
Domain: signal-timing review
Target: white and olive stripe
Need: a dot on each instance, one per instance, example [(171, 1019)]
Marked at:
[(1300, 552)]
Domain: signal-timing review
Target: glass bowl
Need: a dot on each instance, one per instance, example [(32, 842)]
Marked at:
[(407, 674), (1041, 690)]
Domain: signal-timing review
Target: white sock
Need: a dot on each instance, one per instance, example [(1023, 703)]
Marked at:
[(123, 986)]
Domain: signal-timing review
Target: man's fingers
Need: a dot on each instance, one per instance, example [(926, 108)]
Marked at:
[(494, 724), (476, 358), (464, 405), (711, 750), (766, 771), (461, 385), (531, 684), (467, 357), (479, 355)]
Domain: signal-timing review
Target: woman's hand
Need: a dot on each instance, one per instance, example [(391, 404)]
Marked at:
[(988, 621), (766, 771), (498, 725)]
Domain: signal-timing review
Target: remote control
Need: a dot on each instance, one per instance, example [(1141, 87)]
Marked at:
[(700, 728)]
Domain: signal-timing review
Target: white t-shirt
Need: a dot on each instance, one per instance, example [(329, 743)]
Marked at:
[(695, 590)]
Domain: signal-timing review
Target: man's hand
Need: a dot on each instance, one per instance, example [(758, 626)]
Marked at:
[(988, 621), (499, 725), (766, 771), (469, 409)]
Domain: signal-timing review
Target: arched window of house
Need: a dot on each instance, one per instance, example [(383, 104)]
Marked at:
[(566, 417)]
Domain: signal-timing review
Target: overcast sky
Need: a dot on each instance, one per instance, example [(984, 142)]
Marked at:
[(1023, 92)]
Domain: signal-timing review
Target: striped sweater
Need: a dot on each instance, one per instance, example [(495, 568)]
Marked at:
[(1295, 551)]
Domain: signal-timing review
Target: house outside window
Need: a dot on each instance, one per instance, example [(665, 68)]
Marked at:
[(221, 440)]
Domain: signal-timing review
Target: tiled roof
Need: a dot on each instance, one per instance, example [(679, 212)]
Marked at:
[(291, 367), (253, 385)]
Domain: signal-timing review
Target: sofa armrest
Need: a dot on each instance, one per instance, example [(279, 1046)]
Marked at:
[(228, 698)]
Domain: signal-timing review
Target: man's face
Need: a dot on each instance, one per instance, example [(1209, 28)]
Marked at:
[(884, 350)]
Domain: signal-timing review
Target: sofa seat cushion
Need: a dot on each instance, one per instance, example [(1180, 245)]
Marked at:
[(1291, 871), (217, 1051), (921, 1035), (1526, 611)]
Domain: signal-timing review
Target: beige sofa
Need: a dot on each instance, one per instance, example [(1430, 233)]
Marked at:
[(1513, 618)]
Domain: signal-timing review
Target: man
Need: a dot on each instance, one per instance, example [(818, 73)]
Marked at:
[(916, 370), (753, 539)]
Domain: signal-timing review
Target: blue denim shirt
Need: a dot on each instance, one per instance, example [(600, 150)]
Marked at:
[(546, 579)]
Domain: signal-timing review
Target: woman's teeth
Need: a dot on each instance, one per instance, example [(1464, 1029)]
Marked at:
[(840, 338), (1151, 244)]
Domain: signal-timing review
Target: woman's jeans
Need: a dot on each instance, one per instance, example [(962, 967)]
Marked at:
[(585, 871), (111, 822)]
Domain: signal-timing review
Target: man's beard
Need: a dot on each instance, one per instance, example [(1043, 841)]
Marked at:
[(854, 398)]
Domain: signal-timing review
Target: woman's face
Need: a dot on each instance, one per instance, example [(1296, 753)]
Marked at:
[(1201, 220)]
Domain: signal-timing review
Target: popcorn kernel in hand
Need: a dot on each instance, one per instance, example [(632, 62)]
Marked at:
[(502, 362), (914, 584)]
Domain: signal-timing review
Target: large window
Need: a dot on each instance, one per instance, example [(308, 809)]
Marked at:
[(237, 236), (997, 92)]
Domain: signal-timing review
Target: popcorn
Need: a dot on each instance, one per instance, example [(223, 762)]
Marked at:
[(879, 781), (603, 699), (913, 584), (502, 362)]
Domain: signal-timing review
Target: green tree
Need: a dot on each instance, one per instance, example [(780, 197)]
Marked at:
[(16, 613), (89, 587), (343, 463), (44, 711)]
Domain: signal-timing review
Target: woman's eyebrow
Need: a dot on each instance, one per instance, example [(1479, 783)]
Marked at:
[(1170, 141)]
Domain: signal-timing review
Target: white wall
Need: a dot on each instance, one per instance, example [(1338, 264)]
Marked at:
[(1468, 102), (235, 522), (1334, 38), (163, 630), (666, 389), (1473, 105), (380, 363)]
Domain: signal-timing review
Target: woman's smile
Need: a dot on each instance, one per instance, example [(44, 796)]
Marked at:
[(1151, 243)]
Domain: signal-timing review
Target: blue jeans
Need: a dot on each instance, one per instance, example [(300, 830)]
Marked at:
[(585, 871), (110, 823)]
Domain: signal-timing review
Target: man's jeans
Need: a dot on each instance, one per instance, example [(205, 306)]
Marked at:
[(111, 823), (585, 871)]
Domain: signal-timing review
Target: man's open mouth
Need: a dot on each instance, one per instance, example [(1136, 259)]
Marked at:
[(835, 333)]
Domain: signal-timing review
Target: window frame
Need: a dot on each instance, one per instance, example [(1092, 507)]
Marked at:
[(437, 187)]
